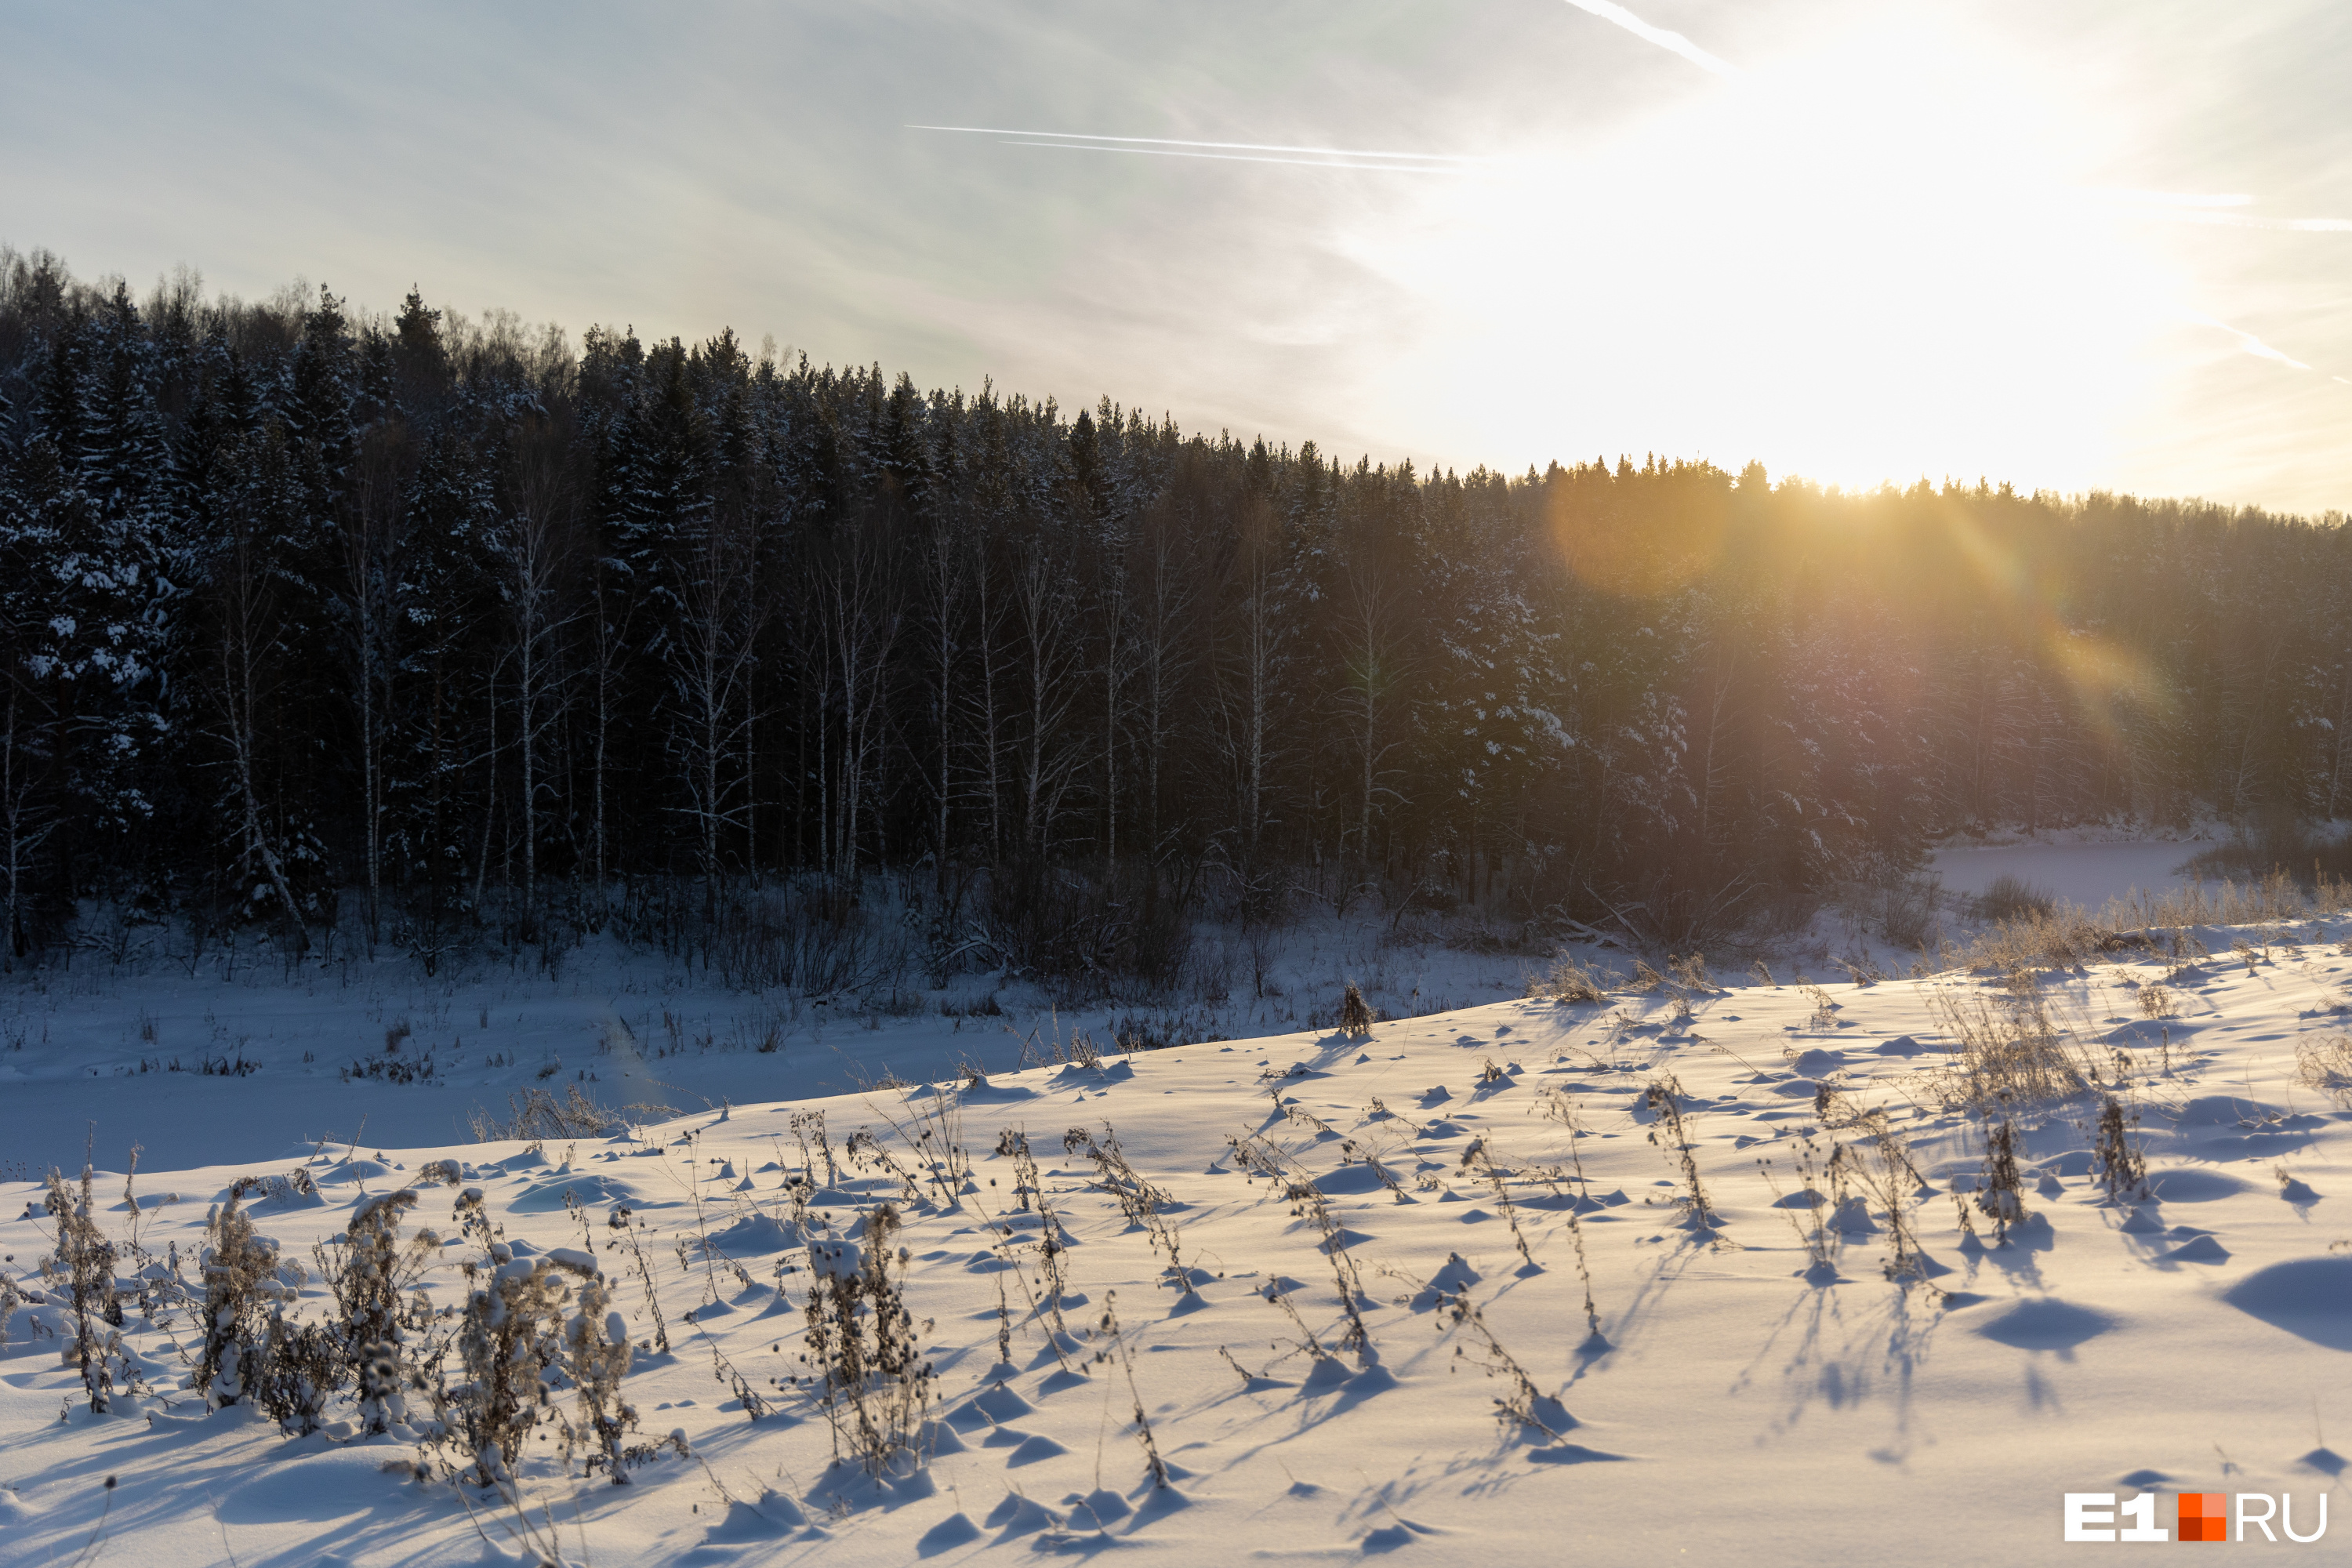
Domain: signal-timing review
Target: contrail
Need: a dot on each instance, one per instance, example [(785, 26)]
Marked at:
[(1055, 138), (2252, 344), (2170, 198), (2188, 206), (1664, 39), (2284, 225), (1249, 158)]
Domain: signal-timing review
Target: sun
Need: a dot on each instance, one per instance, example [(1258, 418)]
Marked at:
[(1876, 260)]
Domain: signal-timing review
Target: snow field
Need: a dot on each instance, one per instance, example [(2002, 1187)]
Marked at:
[(1737, 1404), (2088, 874), (125, 1046)]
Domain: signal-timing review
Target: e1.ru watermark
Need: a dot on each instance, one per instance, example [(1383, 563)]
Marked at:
[(2188, 1516)]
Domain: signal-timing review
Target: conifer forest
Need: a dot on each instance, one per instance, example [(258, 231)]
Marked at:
[(451, 617)]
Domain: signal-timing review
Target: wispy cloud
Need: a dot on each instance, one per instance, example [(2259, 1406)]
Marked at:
[(1665, 39), (1375, 159)]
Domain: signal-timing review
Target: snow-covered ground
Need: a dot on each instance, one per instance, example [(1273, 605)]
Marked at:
[(2088, 874), (1740, 1402), (202, 1060)]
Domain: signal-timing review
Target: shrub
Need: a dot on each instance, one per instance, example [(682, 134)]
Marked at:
[(872, 1382), (302, 1365), (2008, 897), (368, 1271), (509, 1342), (240, 1280), (596, 1350), (1907, 913), (1078, 1049)]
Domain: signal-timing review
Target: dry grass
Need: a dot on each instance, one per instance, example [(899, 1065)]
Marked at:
[(2062, 939), (2326, 1065), (2146, 924), (1690, 970), (1054, 1049), (2009, 1056), (1568, 981), (536, 1115)]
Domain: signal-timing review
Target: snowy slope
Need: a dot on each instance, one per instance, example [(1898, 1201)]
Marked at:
[(1737, 1405), (127, 1045)]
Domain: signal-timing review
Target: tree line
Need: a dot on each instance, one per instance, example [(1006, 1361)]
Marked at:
[(300, 605)]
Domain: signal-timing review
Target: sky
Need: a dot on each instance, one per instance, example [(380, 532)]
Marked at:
[(2088, 245)]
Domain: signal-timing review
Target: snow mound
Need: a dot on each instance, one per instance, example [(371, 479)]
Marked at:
[(2310, 1298), (2048, 1325)]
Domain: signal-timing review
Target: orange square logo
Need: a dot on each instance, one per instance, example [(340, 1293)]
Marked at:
[(2204, 1516)]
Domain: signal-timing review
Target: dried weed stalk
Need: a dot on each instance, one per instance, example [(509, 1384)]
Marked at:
[(509, 1342), (83, 1263), (1139, 1200), (1664, 1099), (2000, 1193), (1477, 1160), (2115, 1155), (1562, 1109), (626, 1226), (1884, 1170), (596, 1352), (1108, 1329), (1569, 980), (1524, 1404), (1255, 1153)]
